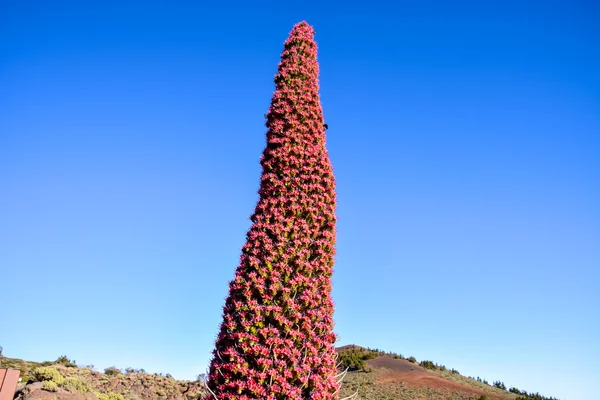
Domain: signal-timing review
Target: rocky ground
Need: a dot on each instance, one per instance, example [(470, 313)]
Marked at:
[(75, 383)]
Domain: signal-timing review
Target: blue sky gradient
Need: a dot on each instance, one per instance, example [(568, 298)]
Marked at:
[(465, 139)]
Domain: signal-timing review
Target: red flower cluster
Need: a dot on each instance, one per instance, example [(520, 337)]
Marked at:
[(276, 340)]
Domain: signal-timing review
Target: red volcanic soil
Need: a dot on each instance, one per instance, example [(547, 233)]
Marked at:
[(403, 371), (394, 364)]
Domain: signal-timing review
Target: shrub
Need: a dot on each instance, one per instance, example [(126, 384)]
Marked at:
[(47, 374), (112, 371), (500, 385), (110, 396), (351, 360), (21, 366), (427, 364), (64, 360), (354, 358), (50, 386), (412, 359), (371, 354), (75, 385)]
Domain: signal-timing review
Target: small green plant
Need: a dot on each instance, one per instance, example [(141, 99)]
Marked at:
[(75, 385), (412, 359), (43, 374), (50, 386)]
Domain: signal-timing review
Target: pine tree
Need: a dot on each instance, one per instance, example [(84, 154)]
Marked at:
[(276, 340)]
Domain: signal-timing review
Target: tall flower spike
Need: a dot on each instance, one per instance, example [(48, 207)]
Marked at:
[(276, 340)]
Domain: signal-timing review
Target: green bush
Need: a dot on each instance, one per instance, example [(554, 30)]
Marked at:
[(112, 371), (75, 385), (428, 364), (64, 360), (351, 360), (47, 374), (110, 396), (50, 386), (412, 359), (354, 358)]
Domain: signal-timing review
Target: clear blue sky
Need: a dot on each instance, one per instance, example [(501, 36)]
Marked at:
[(465, 141)]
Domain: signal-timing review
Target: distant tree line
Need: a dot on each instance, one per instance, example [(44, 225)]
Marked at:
[(523, 395), (433, 366)]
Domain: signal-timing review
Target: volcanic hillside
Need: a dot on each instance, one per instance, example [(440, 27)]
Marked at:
[(376, 375)]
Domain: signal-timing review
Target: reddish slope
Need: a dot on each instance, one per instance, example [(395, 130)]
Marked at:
[(407, 374)]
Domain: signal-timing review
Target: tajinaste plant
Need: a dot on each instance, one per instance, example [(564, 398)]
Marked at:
[(276, 340)]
